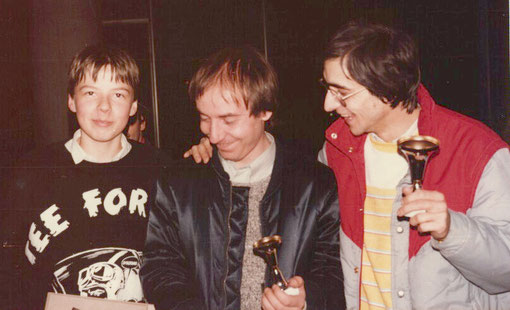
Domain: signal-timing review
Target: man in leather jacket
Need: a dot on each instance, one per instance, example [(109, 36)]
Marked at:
[(205, 219)]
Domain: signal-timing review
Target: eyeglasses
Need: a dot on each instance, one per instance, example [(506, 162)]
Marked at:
[(337, 94)]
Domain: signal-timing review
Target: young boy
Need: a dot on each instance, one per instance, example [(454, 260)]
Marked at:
[(89, 197)]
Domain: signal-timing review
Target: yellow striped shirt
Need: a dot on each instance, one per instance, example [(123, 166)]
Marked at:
[(384, 170)]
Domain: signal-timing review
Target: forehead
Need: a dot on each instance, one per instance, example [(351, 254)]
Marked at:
[(335, 72), (105, 76), (335, 68), (217, 100)]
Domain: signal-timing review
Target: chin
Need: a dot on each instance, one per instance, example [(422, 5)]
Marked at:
[(356, 133), (232, 156), (228, 156), (103, 138), (105, 135)]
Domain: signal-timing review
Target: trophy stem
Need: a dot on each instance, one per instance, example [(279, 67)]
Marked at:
[(417, 185), (278, 277), (266, 248)]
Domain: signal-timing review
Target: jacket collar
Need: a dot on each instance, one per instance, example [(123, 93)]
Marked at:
[(428, 107), (276, 174), (339, 135), (218, 167)]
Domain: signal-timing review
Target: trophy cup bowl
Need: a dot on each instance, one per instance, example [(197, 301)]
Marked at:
[(417, 150), (266, 248)]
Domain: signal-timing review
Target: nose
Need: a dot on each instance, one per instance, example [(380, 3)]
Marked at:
[(215, 132), (104, 104), (331, 103)]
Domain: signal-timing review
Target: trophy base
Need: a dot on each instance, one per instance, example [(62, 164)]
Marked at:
[(292, 291)]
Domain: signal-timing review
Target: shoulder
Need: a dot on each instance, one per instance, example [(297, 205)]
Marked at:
[(185, 172), (445, 118), (144, 153), (300, 163), (464, 133), (54, 154), (148, 156), (36, 169)]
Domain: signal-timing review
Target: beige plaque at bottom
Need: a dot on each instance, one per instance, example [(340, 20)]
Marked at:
[(73, 302)]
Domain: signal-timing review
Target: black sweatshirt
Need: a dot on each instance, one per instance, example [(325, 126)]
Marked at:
[(84, 225)]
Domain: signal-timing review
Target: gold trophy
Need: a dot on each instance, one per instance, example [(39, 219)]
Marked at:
[(266, 248), (417, 150)]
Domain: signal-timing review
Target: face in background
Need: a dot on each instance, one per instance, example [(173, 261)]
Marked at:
[(364, 112), (136, 129), (102, 108), (238, 135)]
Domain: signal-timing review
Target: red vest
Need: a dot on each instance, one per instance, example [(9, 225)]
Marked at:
[(466, 145)]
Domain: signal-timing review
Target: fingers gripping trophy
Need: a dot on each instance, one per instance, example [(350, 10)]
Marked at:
[(417, 150), (267, 249)]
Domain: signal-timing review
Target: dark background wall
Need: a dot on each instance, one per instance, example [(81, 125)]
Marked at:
[(464, 57)]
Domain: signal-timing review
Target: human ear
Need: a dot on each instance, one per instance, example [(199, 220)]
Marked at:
[(134, 107), (70, 104), (266, 115)]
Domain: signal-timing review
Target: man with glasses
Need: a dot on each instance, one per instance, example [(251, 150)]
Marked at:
[(455, 254)]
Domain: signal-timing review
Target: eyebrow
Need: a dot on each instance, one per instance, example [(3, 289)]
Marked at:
[(93, 87), (86, 86), (222, 116), (335, 85)]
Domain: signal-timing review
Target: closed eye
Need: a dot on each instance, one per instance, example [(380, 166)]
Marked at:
[(230, 121)]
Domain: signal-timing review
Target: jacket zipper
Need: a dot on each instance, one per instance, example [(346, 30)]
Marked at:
[(226, 250)]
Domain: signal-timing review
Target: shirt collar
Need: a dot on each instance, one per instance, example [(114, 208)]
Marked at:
[(411, 131), (78, 153), (257, 170)]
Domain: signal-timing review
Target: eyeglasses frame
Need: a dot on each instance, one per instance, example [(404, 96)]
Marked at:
[(336, 93)]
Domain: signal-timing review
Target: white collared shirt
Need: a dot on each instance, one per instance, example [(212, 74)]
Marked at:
[(257, 170), (78, 153)]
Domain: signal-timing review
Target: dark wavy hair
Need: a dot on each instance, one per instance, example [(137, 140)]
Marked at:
[(382, 59), (242, 70), (93, 58)]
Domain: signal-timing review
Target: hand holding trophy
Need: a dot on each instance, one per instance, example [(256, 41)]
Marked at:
[(417, 150), (266, 248)]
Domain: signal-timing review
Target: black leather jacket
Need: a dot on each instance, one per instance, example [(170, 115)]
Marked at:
[(191, 226)]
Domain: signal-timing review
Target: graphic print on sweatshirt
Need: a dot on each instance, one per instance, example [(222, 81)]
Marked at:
[(111, 273), (93, 250)]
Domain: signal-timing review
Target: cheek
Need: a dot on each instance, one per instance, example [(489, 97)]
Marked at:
[(204, 127), (240, 130), (245, 132), (122, 110), (83, 109)]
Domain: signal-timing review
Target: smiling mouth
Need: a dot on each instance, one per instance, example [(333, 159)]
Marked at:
[(225, 148), (102, 123)]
